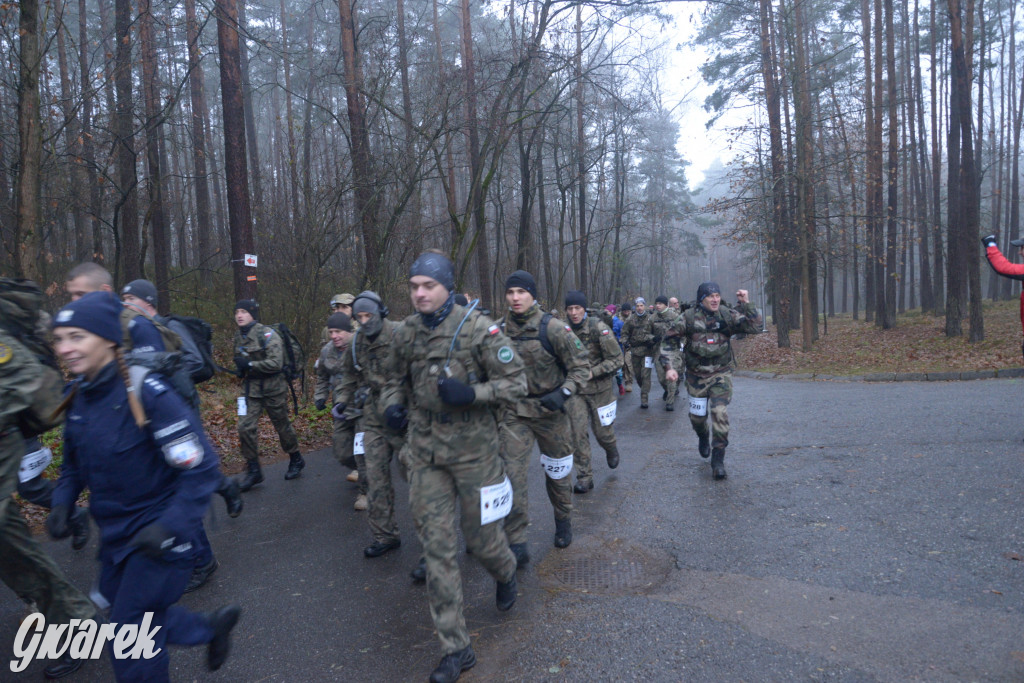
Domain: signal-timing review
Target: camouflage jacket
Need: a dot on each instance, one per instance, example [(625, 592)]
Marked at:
[(368, 363), (329, 371), (265, 350), (481, 356), (30, 392), (706, 337), (637, 334), (603, 353), (661, 323), (568, 368)]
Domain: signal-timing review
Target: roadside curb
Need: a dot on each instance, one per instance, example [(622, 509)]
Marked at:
[(954, 376)]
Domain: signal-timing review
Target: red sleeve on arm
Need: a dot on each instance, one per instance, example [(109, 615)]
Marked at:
[(1001, 265)]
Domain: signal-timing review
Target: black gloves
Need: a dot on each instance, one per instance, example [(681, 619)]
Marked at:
[(554, 400), (243, 364), (57, 522), (989, 241), (153, 540), (321, 404), (455, 392), (397, 417)]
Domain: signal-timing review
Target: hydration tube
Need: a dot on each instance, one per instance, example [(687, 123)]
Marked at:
[(451, 348)]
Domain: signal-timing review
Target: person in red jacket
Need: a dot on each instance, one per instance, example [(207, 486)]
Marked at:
[(1004, 267)]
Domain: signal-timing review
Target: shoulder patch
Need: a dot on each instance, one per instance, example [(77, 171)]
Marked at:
[(567, 328), (268, 334), (493, 329), (6, 354), (605, 331), (505, 354)]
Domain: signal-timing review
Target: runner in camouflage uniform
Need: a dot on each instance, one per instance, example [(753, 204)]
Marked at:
[(638, 339), (706, 329), (596, 402), (452, 368)]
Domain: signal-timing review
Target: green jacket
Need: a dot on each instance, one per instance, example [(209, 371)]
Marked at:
[(603, 353), (481, 356), (706, 337), (371, 368), (29, 394), (638, 335), (265, 349), (568, 368), (328, 371)]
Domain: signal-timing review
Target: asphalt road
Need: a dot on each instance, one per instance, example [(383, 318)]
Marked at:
[(867, 532)]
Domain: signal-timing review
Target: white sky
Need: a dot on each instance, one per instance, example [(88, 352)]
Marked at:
[(685, 87)]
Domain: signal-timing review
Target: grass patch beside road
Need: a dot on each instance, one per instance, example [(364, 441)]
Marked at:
[(918, 343)]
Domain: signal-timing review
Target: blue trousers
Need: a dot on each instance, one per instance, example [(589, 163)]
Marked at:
[(140, 584)]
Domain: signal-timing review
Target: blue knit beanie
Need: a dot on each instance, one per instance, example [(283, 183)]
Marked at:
[(96, 312)]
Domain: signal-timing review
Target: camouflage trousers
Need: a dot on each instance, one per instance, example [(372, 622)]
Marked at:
[(582, 411), (553, 434), (627, 369), (248, 428), (718, 390), (24, 565), (642, 374), (341, 446), (669, 387), (437, 495), (381, 446)]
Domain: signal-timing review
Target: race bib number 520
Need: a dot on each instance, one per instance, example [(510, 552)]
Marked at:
[(556, 468), (495, 502)]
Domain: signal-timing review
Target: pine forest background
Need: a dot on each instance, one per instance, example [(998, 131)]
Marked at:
[(871, 143)]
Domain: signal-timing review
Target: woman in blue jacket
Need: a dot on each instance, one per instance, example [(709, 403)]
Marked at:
[(150, 470)]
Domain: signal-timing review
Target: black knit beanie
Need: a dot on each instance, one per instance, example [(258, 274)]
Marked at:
[(522, 279)]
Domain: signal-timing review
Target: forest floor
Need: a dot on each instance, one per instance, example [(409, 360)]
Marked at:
[(917, 343)]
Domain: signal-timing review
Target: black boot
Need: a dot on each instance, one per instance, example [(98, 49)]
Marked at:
[(79, 525), (718, 463), (232, 496), (200, 575), (221, 621), (583, 486), (295, 466), (522, 553), (64, 666), (612, 455), (452, 666), (563, 533), (419, 572), (703, 445), (253, 476), (505, 594)]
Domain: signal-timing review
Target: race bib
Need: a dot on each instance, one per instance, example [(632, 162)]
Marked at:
[(556, 468), (33, 464), (648, 362), (243, 409), (357, 445), (698, 406), (606, 414), (495, 502)]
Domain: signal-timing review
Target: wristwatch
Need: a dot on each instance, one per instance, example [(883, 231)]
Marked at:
[(566, 392)]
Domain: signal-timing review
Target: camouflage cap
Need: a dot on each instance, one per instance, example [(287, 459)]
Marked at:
[(344, 298)]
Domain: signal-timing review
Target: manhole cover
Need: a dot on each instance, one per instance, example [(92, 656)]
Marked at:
[(596, 574)]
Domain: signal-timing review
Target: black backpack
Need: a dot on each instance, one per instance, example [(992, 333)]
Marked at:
[(202, 335), (294, 359)]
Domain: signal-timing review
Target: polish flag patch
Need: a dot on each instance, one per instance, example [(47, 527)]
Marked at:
[(493, 329), (605, 331)]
